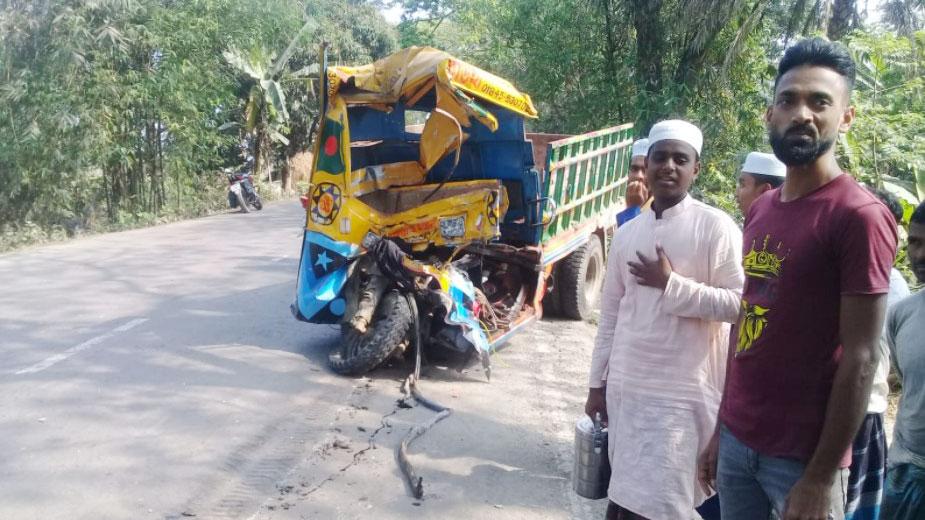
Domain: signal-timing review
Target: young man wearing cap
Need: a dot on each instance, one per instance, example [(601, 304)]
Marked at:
[(760, 173), (637, 193), (817, 266), (674, 277)]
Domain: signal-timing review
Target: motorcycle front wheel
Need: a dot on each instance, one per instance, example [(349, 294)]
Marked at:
[(360, 353), (242, 203)]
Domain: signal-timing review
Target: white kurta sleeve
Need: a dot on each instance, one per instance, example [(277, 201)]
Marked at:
[(611, 296), (720, 298), (891, 329)]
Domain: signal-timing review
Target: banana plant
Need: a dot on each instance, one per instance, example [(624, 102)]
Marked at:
[(266, 114)]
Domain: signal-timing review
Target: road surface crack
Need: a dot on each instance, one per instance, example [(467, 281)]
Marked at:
[(383, 424)]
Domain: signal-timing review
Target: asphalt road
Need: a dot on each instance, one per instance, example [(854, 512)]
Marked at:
[(157, 373)]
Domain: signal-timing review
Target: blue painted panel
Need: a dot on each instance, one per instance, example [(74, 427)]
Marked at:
[(510, 126), (386, 152), (322, 275), (368, 124), (504, 159), (427, 102)]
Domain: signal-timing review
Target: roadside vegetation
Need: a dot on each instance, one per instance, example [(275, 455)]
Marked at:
[(120, 113)]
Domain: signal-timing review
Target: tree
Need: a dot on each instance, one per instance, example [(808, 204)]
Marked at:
[(286, 83), (904, 16), (266, 113), (711, 61), (885, 147), (844, 18), (117, 112)]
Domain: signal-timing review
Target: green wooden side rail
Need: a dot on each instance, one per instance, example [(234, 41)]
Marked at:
[(586, 176)]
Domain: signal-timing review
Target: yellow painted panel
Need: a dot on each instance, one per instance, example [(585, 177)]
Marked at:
[(487, 86), (475, 214), (403, 73), (383, 176)]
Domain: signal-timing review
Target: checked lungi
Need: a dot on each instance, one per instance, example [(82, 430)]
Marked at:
[(867, 471)]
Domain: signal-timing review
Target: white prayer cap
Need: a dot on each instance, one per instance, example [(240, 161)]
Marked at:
[(641, 147), (677, 130), (764, 164)]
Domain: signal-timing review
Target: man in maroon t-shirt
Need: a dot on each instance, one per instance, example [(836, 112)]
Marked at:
[(817, 254)]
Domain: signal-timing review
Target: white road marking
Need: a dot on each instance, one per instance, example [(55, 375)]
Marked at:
[(57, 358), (277, 259)]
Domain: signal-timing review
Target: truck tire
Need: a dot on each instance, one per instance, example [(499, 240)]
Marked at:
[(361, 353), (581, 277)]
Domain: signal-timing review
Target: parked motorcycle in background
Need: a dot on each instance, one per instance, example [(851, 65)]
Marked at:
[(241, 191)]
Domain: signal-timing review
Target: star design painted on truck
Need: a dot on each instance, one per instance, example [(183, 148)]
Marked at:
[(323, 260)]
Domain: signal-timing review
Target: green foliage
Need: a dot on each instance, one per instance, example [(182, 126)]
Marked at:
[(121, 112), (588, 65), (594, 64), (886, 144)]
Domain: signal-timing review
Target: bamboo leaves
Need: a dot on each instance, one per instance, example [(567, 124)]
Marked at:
[(118, 112)]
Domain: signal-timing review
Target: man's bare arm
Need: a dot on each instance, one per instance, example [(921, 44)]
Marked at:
[(860, 324)]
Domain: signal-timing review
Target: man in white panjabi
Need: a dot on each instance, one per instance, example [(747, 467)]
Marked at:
[(674, 282)]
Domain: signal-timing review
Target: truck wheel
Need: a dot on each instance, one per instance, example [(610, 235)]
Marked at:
[(581, 277), (360, 353)]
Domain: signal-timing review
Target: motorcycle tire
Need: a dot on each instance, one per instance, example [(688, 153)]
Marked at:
[(360, 353), (257, 204), (242, 203)]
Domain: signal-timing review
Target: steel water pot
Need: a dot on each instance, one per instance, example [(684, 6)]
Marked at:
[(591, 473)]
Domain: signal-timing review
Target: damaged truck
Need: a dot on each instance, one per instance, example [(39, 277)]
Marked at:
[(435, 221)]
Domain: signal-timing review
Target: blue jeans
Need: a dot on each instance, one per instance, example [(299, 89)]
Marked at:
[(751, 485), (904, 495)]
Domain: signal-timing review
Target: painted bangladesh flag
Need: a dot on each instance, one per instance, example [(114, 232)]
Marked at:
[(331, 159)]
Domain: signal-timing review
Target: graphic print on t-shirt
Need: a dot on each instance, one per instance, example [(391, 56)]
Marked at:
[(762, 270)]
